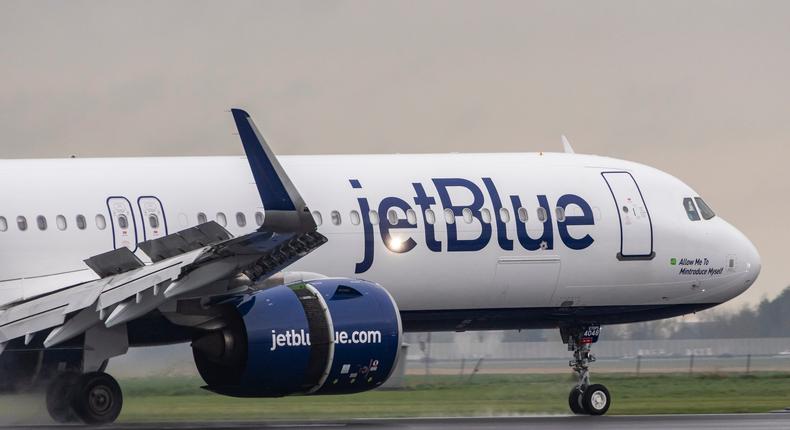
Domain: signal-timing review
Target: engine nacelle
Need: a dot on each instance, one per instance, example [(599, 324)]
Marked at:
[(327, 336)]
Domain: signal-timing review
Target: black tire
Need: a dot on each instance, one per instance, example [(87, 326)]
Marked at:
[(596, 399), (59, 396), (97, 398), (575, 401)]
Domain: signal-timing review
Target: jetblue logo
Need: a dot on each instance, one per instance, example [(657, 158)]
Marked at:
[(423, 201)]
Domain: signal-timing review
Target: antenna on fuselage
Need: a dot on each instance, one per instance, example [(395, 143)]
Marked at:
[(566, 146)]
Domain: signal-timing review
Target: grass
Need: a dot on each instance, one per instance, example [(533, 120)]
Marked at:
[(174, 399)]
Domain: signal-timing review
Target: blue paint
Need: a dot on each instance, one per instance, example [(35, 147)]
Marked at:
[(586, 218), (454, 244), (270, 188), (501, 228), (385, 227), (424, 202), (546, 238)]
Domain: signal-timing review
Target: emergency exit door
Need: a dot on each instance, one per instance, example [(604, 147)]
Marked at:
[(636, 227), (124, 226), (153, 217)]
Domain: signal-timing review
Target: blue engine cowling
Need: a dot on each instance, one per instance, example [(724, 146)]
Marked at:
[(328, 336)]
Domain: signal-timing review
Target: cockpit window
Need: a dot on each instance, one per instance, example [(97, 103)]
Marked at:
[(691, 210), (704, 209)]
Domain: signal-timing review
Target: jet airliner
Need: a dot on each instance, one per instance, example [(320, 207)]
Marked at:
[(299, 275)]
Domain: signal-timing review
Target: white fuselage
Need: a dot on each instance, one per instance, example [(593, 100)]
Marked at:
[(477, 262)]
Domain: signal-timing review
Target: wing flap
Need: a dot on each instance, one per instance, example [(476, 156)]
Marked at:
[(114, 262)]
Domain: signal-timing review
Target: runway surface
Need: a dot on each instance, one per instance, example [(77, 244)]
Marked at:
[(643, 422)]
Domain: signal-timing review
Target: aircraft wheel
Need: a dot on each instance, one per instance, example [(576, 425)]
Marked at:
[(97, 398), (575, 401), (59, 395), (596, 399)]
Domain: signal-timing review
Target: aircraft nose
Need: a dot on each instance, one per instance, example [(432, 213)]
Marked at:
[(753, 261)]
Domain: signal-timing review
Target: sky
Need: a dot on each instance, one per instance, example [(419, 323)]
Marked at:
[(698, 89)]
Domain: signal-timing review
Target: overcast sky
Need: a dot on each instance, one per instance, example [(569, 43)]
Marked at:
[(699, 89)]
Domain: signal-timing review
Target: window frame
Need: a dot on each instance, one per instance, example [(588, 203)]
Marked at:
[(241, 219), (705, 211), (41, 223), (81, 222), (335, 217), (694, 211), (61, 223)]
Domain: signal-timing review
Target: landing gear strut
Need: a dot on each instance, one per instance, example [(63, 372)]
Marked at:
[(585, 398), (93, 398)]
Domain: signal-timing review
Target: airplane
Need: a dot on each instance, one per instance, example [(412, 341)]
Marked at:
[(279, 298)]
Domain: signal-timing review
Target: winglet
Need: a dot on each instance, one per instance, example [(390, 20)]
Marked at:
[(566, 146), (285, 210)]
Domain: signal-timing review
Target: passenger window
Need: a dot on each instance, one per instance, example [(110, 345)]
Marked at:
[(335, 215), (3, 224), (81, 223), (374, 217), (123, 222), (241, 219), (202, 218), (486, 215), (60, 221), (411, 217), (101, 222), (430, 217), (449, 216), (542, 215), (259, 218), (153, 221), (21, 222), (691, 210), (354, 216), (504, 215), (318, 218), (523, 215), (42, 222), (468, 216), (560, 214), (392, 217), (222, 219), (705, 210)]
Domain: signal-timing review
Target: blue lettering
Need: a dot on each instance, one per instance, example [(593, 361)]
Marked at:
[(546, 238), (395, 244), (401, 244), (367, 227), (422, 200), (453, 242), (501, 228), (586, 218)]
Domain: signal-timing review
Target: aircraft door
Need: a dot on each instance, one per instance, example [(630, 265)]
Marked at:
[(153, 217), (636, 227), (124, 226)]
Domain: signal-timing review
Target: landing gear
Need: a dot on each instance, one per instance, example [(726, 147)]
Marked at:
[(93, 398), (585, 398), (59, 398)]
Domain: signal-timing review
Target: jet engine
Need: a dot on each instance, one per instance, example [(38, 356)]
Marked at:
[(327, 336)]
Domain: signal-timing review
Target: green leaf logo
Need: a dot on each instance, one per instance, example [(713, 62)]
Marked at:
[(673, 261)]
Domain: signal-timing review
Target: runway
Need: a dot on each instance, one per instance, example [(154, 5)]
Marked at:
[(772, 421)]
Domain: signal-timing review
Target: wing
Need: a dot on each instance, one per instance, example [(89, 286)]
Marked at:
[(203, 262)]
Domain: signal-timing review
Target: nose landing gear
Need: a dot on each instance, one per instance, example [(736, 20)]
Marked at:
[(585, 398), (92, 398)]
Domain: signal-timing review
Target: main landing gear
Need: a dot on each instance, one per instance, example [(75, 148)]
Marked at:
[(91, 398), (585, 398)]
